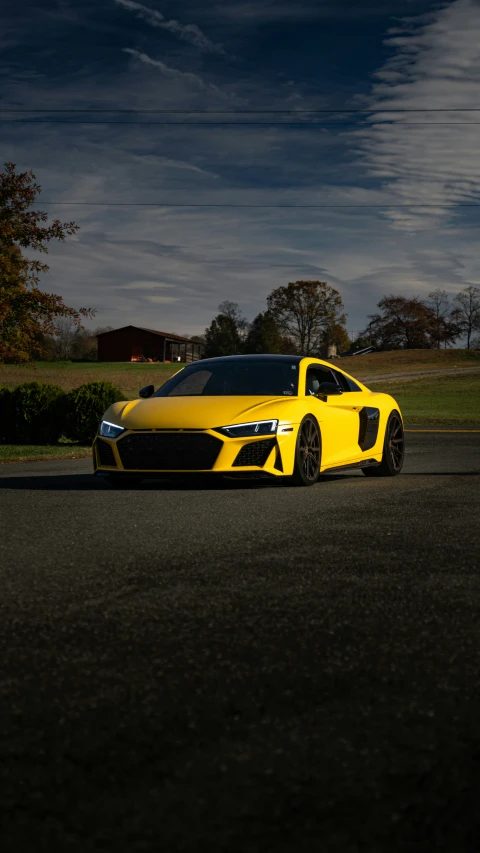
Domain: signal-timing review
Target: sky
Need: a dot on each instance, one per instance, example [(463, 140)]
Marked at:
[(309, 133)]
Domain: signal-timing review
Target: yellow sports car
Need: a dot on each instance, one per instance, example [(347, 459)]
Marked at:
[(282, 416)]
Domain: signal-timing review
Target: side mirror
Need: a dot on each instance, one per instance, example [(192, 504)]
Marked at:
[(147, 391), (328, 389)]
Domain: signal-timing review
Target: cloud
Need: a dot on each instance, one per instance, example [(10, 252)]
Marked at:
[(435, 65), (162, 300), (187, 32), (146, 285), (252, 12), (189, 260), (175, 74)]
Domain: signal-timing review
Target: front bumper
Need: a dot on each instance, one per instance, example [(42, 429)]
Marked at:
[(195, 451)]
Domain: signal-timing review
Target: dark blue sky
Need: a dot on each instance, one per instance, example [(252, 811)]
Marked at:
[(169, 267)]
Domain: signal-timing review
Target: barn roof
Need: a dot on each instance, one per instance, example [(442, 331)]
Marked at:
[(152, 331)]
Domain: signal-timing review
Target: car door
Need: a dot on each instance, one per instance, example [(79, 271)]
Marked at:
[(338, 417)]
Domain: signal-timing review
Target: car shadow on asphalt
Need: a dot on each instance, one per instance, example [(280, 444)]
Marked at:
[(89, 483)]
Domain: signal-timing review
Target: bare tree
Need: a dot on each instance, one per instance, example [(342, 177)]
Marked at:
[(445, 327), (233, 312), (305, 312), (468, 302), (63, 338)]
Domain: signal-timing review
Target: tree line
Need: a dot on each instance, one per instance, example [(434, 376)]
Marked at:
[(302, 317), (307, 317)]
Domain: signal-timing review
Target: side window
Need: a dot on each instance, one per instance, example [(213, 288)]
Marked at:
[(345, 383), (315, 376)]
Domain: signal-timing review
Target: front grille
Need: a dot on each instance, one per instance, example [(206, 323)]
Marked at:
[(255, 453), (169, 451), (105, 453)]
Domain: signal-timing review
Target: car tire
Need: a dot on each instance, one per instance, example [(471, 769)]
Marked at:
[(393, 450), (308, 453)]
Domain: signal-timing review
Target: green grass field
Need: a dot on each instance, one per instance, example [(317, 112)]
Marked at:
[(436, 400), (399, 361), (129, 377), (36, 452)]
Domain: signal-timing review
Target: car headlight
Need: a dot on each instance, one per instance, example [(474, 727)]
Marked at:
[(109, 430), (253, 428)]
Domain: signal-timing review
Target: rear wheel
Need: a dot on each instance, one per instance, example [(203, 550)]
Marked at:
[(393, 450), (307, 453)]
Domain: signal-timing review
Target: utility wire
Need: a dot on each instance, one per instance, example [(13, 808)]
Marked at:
[(246, 112), (304, 125), (259, 206)]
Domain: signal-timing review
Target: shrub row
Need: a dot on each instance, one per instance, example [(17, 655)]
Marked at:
[(39, 413)]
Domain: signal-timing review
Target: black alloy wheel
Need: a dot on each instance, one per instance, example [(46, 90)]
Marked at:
[(393, 450), (307, 453)]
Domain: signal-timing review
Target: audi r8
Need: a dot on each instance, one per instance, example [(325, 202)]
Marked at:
[(279, 416)]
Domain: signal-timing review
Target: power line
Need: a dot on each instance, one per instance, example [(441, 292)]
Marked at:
[(258, 206), (307, 126), (246, 112)]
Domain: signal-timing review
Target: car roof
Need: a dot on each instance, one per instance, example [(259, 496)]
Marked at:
[(256, 356)]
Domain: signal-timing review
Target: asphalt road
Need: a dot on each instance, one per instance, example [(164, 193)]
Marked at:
[(242, 669)]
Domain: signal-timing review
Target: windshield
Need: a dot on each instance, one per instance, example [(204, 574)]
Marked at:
[(246, 377)]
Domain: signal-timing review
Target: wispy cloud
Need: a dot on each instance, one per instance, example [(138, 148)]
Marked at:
[(187, 32), (175, 74), (146, 285), (436, 65), (252, 12)]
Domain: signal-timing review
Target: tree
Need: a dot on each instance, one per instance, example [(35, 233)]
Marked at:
[(264, 335), (26, 312), (63, 338), (402, 324), (234, 314), (445, 325), (304, 312), (226, 333), (468, 302), (335, 335)]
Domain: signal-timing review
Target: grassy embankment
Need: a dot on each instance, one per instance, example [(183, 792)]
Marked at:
[(127, 376), (450, 399)]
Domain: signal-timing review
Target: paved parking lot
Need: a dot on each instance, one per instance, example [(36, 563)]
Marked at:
[(242, 668)]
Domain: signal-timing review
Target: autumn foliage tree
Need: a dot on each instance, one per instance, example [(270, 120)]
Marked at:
[(403, 323), (26, 312), (308, 313)]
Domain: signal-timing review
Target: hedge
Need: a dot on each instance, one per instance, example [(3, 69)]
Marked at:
[(29, 414), (5, 397), (82, 408), (41, 413)]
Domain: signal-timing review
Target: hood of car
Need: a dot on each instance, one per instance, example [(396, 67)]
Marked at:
[(198, 412)]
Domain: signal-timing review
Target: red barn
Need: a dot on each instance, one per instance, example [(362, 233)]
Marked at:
[(132, 343)]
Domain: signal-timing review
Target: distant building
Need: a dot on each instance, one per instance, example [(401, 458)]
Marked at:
[(133, 343)]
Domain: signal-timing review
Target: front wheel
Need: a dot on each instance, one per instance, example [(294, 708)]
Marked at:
[(393, 450), (307, 453)]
